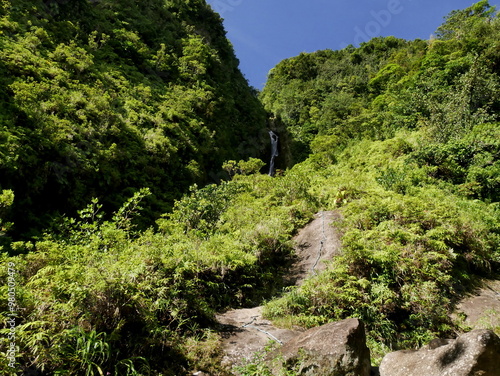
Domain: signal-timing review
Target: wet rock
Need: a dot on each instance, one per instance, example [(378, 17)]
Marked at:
[(476, 353)]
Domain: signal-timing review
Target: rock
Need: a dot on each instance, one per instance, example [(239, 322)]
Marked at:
[(245, 332), (318, 242), (476, 353), (335, 349), (481, 309)]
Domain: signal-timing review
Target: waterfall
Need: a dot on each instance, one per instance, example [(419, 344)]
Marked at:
[(274, 151)]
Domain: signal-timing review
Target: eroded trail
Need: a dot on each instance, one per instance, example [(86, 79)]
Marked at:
[(245, 331)]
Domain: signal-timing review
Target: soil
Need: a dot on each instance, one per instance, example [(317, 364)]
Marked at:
[(245, 331)]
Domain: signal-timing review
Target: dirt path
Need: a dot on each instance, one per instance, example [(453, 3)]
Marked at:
[(245, 331)]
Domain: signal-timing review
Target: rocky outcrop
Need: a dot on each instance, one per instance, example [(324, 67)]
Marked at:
[(245, 332), (333, 349), (318, 242), (481, 308), (476, 353)]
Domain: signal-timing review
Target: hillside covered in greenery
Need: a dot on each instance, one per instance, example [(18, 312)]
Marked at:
[(110, 111), (403, 138), (102, 98)]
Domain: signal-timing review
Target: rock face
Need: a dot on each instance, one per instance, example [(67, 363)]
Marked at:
[(335, 349), (317, 242), (482, 308), (245, 332), (476, 353)]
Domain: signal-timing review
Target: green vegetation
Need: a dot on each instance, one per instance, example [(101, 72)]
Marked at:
[(401, 137), (112, 114), (102, 98), (102, 296)]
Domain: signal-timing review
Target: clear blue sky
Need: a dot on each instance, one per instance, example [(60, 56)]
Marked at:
[(264, 32)]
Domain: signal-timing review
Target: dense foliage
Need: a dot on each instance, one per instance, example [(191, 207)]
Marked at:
[(132, 105), (449, 84), (101, 297), (101, 98), (402, 137)]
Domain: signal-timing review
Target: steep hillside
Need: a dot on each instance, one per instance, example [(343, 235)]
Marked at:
[(127, 104), (102, 98), (403, 137), (446, 85)]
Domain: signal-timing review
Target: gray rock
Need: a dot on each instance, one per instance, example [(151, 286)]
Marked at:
[(335, 349), (476, 353)]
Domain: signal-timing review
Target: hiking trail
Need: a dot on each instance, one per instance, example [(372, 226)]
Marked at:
[(245, 331)]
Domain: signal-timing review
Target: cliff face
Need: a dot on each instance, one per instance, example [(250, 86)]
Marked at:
[(100, 98)]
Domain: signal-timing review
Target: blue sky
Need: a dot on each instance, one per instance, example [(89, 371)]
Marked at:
[(264, 32)]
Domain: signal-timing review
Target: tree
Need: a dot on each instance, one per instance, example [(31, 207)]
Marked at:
[(461, 22)]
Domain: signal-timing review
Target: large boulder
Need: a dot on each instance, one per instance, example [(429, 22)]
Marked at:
[(476, 353), (335, 349)]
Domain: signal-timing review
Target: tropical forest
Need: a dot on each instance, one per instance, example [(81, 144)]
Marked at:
[(137, 200)]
